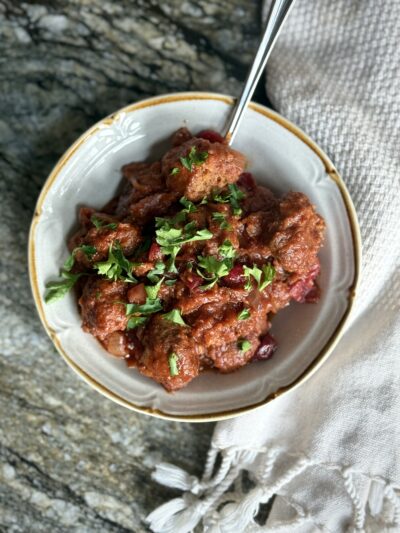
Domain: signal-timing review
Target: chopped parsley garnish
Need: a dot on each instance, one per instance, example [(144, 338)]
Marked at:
[(171, 239), (85, 248), (233, 197), (174, 171), (158, 270), (211, 269), (98, 223), (173, 364), (226, 250), (221, 219), (269, 275), (244, 345), (211, 265), (152, 290), (175, 317), (244, 314), (194, 158), (117, 266), (263, 276), (139, 313), (55, 290), (135, 321), (148, 308), (188, 205)]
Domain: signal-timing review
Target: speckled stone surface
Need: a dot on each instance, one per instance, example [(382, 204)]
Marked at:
[(71, 460)]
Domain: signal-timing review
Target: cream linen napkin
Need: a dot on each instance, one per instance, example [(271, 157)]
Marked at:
[(330, 450)]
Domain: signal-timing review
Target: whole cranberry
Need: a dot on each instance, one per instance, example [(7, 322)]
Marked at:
[(211, 135), (235, 278), (247, 181), (267, 348)]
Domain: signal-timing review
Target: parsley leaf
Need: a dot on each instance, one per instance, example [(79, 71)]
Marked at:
[(221, 219), (233, 197), (244, 314), (175, 317), (213, 266), (253, 271), (86, 249), (173, 364), (188, 205), (98, 223), (158, 270), (135, 321), (194, 158), (172, 252), (148, 308), (244, 345), (171, 239), (226, 250), (269, 275), (55, 290), (152, 290), (263, 276), (117, 266), (174, 171)]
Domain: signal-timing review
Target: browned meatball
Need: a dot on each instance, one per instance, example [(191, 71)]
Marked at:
[(162, 338), (297, 236), (222, 166), (141, 180), (155, 205), (126, 233), (100, 308), (180, 136)]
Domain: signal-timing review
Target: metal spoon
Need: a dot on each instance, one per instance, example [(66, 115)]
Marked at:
[(276, 17)]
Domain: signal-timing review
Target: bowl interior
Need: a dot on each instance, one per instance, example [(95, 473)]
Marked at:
[(89, 174)]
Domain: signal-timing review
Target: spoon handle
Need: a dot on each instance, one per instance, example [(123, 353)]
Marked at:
[(276, 17)]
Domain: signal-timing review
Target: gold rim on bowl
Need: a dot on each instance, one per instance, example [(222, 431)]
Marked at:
[(332, 173)]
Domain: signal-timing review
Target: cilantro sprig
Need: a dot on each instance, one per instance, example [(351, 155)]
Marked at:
[(116, 266)]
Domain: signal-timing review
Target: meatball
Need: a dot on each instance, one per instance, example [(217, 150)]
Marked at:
[(126, 233), (102, 307), (297, 236), (141, 180), (152, 206), (221, 167), (162, 340)]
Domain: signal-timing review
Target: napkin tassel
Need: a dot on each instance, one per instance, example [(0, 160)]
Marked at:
[(220, 500)]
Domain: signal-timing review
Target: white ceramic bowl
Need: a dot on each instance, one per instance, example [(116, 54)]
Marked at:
[(283, 158)]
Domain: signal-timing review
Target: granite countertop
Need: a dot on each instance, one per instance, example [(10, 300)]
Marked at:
[(71, 460)]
